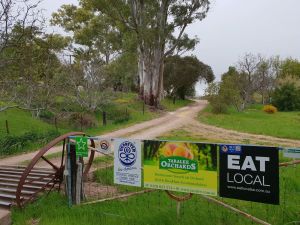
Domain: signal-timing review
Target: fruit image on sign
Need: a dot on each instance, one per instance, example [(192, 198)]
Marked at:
[(177, 157), (181, 166)]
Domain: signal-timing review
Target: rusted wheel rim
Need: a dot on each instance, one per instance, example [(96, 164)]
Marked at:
[(58, 169), (180, 198)]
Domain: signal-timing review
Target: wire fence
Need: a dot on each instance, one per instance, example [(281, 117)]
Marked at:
[(143, 206)]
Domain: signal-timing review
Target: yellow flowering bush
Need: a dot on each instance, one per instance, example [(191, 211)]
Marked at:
[(270, 109)]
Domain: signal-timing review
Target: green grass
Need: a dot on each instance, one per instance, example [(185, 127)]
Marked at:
[(103, 160), (148, 209), (12, 144), (168, 105), (254, 120), (156, 208), (20, 122)]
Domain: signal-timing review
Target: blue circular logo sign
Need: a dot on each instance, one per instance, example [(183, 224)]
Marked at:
[(127, 153)]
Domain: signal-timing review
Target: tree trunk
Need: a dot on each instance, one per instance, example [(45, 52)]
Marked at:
[(141, 71), (151, 77)]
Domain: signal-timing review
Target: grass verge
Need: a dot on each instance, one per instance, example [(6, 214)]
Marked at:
[(254, 120), (169, 105)]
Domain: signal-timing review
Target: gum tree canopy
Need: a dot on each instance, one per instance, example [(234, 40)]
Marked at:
[(159, 31)]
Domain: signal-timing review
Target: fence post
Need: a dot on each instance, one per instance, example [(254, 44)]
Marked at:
[(6, 125), (55, 123), (104, 118), (81, 119), (78, 185), (143, 108)]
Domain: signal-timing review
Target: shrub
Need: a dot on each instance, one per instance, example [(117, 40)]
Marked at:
[(287, 97), (47, 115), (117, 114), (85, 120), (270, 109), (218, 106), (11, 144), (121, 116)]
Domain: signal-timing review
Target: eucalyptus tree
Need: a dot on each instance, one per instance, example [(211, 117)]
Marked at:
[(158, 28)]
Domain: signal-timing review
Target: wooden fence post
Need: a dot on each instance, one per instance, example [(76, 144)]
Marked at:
[(6, 125), (55, 123), (81, 121), (78, 187), (104, 118), (143, 108)]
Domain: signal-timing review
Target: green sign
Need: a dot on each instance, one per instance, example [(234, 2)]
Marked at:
[(181, 166), (180, 163), (81, 146)]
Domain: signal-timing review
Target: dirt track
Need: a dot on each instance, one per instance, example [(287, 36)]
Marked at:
[(216, 133), (182, 118), (147, 130)]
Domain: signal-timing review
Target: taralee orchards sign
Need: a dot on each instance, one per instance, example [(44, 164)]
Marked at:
[(249, 173), (181, 166)]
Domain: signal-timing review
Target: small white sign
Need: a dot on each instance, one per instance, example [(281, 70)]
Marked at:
[(103, 145), (127, 162), (292, 153)]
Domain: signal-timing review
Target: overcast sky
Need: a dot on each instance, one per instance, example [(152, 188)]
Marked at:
[(234, 27)]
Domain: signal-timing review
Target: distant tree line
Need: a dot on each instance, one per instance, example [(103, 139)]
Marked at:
[(273, 80)]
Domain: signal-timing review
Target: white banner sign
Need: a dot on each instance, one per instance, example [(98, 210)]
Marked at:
[(127, 162), (292, 153)]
